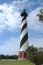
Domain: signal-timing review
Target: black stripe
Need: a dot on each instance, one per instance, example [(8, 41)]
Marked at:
[(24, 26), (24, 39), (23, 19)]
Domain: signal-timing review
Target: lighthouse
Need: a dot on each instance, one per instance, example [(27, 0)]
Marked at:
[(23, 53)]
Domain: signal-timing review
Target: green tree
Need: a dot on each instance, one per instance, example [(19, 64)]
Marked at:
[(35, 55)]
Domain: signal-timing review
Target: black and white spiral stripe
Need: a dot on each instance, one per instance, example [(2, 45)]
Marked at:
[(24, 35)]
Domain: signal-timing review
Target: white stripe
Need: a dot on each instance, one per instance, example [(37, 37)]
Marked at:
[(24, 46), (23, 23), (23, 33)]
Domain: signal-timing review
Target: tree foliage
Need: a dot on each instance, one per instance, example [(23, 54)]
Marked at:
[(8, 56), (35, 56)]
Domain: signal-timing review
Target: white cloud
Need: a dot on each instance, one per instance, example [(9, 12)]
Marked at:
[(9, 18), (10, 46), (37, 42), (33, 21)]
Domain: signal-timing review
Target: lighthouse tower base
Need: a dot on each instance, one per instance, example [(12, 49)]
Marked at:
[(23, 55)]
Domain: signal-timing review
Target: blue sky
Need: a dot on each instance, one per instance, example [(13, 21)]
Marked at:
[(10, 22)]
